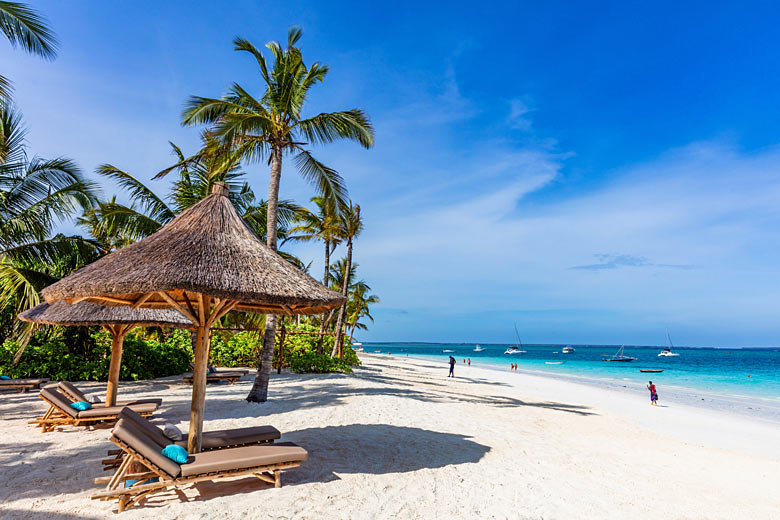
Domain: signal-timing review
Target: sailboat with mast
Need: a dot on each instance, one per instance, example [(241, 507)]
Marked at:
[(667, 352), (516, 349), (619, 356)]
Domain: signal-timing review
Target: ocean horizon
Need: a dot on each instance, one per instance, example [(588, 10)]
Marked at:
[(749, 374)]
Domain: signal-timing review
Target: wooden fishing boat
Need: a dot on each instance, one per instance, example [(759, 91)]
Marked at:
[(650, 371), (619, 356)]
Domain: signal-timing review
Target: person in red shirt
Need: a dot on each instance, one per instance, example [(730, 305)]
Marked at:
[(653, 394)]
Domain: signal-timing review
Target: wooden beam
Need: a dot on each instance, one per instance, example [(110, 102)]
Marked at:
[(200, 350), (111, 299), (178, 307), (140, 301), (189, 303), (117, 343)]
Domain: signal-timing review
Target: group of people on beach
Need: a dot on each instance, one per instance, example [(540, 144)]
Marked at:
[(512, 366)]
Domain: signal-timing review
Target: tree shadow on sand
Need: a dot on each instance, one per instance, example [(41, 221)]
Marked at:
[(378, 449)]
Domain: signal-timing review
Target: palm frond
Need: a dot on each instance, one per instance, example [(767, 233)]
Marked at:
[(27, 29), (331, 126), (140, 194), (325, 180)]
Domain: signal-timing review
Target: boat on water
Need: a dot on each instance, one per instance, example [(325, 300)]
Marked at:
[(567, 349), (619, 356), (650, 371), (447, 351), (667, 352), (516, 349), (478, 349), (554, 362), (357, 346)]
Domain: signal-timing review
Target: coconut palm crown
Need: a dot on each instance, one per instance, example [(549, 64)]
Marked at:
[(272, 125)]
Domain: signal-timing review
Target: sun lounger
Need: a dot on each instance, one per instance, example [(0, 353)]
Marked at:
[(213, 440), (60, 413), (74, 394), (144, 461), (23, 384), (217, 377)]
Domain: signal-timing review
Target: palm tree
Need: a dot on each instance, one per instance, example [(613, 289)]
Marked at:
[(350, 227), (25, 28), (322, 225), (358, 306), (271, 126), (117, 224), (35, 194)]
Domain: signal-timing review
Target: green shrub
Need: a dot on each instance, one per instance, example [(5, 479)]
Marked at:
[(89, 360), (240, 350)]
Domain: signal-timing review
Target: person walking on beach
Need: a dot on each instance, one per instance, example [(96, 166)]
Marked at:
[(653, 393), (452, 367), (468, 362)]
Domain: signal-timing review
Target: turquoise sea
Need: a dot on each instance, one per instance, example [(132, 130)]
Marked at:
[(747, 373)]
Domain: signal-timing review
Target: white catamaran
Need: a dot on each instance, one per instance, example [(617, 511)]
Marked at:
[(516, 349), (667, 352)]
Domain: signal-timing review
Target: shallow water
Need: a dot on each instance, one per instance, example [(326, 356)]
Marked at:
[(746, 372)]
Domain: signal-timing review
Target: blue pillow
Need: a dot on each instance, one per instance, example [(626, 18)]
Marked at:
[(4, 377), (81, 405), (176, 453)]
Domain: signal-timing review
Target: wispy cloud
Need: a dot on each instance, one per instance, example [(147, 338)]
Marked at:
[(614, 261), (519, 115)]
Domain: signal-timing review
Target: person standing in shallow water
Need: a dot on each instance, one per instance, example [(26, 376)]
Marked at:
[(653, 393), (452, 367)]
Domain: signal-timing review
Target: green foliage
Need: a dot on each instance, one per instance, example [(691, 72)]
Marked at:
[(239, 350), (59, 358), (300, 352)]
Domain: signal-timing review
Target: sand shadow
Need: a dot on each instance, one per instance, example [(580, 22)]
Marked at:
[(21, 514)]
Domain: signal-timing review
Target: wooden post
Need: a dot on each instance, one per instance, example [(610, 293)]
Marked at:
[(281, 348), (201, 350), (118, 337)]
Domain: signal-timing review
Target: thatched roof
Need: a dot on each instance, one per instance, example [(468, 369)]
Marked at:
[(208, 249), (86, 313)]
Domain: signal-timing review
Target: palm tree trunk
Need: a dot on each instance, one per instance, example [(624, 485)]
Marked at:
[(259, 391), (337, 346), (325, 283)]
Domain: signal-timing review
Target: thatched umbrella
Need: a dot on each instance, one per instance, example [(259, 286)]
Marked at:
[(116, 320), (204, 263)]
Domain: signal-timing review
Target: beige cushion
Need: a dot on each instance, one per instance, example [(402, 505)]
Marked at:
[(60, 401), (100, 411), (235, 437), (128, 433), (246, 457)]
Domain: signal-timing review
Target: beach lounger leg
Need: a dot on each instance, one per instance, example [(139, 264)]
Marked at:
[(278, 478)]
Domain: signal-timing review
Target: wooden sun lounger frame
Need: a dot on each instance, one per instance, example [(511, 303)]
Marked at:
[(230, 378), (23, 387), (144, 469), (54, 417)]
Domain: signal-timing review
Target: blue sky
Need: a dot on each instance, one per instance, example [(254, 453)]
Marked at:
[(594, 174)]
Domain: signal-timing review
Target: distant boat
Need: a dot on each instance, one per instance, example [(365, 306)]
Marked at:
[(619, 356), (650, 371), (448, 351), (667, 352), (554, 362), (357, 346), (516, 349), (568, 350), (478, 349)]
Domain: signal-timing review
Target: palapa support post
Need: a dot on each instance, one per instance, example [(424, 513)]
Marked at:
[(198, 389), (117, 342)]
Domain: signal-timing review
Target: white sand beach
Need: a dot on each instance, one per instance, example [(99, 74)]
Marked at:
[(397, 439)]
